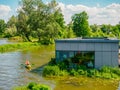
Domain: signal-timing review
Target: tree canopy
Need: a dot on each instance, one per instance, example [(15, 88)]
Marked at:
[(37, 21), (80, 24)]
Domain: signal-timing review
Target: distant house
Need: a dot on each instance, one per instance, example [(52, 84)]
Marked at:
[(100, 51)]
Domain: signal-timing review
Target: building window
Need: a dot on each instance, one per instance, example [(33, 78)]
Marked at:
[(80, 57)]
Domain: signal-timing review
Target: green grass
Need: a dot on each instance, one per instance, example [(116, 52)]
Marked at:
[(33, 86), (17, 46)]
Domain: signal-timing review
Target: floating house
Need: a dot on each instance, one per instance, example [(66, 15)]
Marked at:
[(99, 51)]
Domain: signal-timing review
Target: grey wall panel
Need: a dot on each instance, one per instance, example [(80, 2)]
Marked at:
[(58, 46), (74, 47), (98, 46), (98, 59), (114, 59), (82, 46), (106, 47), (90, 47), (114, 46), (65, 46), (107, 58)]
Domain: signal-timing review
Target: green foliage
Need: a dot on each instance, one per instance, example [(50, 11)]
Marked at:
[(40, 20), (106, 69), (33, 86), (64, 68), (105, 31), (80, 24), (51, 71), (2, 26), (17, 46), (73, 72), (11, 29)]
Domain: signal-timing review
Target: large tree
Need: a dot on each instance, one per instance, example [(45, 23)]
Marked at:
[(11, 27), (80, 24), (39, 20), (2, 26), (22, 26)]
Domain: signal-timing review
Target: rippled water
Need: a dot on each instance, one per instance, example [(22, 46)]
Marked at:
[(12, 73)]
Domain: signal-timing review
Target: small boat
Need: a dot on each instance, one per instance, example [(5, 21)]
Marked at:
[(28, 67)]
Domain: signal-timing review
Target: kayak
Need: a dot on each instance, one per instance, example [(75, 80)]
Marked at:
[(28, 67)]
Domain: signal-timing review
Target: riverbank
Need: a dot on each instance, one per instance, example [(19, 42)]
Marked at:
[(17, 46)]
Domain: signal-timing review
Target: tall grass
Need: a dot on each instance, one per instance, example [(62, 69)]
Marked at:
[(17, 46)]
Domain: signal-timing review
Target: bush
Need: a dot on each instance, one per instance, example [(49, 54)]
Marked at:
[(66, 67), (106, 69), (52, 61), (81, 72), (91, 72), (33, 86), (63, 73), (73, 72), (116, 70), (106, 75), (51, 71)]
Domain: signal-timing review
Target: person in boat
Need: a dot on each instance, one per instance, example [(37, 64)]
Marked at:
[(27, 65)]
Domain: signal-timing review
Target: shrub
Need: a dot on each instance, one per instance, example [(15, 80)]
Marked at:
[(62, 65), (81, 72), (51, 71), (106, 69), (91, 72), (73, 72), (52, 61), (83, 67), (106, 75), (33, 86), (63, 73), (116, 70)]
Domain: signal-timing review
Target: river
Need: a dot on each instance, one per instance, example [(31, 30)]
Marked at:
[(12, 73)]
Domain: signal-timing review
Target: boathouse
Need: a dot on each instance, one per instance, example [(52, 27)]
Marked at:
[(99, 51)]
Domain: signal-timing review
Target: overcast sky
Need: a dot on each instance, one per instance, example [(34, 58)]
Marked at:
[(99, 11)]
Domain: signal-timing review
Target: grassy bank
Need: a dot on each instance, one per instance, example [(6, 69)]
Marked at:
[(33, 86), (17, 46)]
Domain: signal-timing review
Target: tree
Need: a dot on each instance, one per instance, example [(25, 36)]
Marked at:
[(11, 27), (42, 21), (70, 33), (47, 20), (80, 24), (22, 26), (2, 26)]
